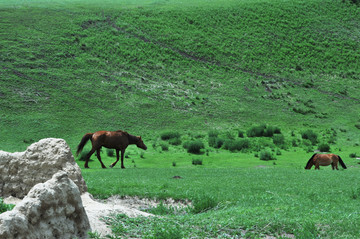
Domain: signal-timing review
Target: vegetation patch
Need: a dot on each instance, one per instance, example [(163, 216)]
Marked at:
[(194, 147), (5, 207)]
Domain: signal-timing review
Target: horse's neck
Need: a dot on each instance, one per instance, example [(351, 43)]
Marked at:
[(132, 139)]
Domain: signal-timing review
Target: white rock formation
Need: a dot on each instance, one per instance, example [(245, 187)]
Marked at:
[(20, 171), (52, 209)]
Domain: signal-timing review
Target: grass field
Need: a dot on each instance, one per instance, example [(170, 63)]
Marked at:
[(235, 80), (237, 202)]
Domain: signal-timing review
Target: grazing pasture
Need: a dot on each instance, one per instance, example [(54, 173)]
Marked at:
[(236, 202), (231, 97)]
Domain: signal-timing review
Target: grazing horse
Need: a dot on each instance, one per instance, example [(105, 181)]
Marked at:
[(325, 160), (118, 140)]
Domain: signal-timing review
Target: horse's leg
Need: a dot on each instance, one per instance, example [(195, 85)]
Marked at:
[(99, 158), (88, 157), (333, 165), (122, 158), (317, 166), (117, 159), (336, 166)]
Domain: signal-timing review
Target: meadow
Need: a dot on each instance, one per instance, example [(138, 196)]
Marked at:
[(232, 96)]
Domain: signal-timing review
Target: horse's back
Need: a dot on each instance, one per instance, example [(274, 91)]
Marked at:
[(110, 139)]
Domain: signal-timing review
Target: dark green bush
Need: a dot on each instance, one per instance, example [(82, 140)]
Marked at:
[(352, 155), (197, 162), (279, 139), (266, 155), (164, 146), (236, 145), (169, 135), (83, 156), (241, 134), (216, 142), (310, 135), (263, 131), (213, 133), (324, 147), (175, 141), (256, 131), (194, 147), (110, 152)]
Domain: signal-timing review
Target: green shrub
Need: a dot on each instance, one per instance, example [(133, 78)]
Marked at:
[(110, 152), (263, 131), (213, 133), (194, 147), (5, 207), (310, 135), (164, 146), (216, 142), (241, 134), (279, 139), (236, 145), (324, 147), (256, 131), (266, 155), (169, 135), (352, 155), (83, 156), (175, 141), (197, 162)]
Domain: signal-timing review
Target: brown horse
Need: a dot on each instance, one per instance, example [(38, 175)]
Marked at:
[(325, 160), (118, 140)]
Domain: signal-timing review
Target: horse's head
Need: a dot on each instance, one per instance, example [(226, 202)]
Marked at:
[(140, 143)]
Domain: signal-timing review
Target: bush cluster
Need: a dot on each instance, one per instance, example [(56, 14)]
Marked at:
[(266, 155), (194, 147), (310, 135), (197, 162), (236, 144), (216, 142), (324, 147), (263, 131), (174, 138), (169, 135)]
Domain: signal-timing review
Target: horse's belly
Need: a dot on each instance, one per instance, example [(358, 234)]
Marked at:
[(325, 162)]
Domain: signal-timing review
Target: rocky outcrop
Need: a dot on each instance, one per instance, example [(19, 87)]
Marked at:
[(52, 209), (20, 171)]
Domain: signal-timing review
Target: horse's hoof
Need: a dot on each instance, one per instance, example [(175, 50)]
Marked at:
[(86, 166), (111, 166), (103, 167)]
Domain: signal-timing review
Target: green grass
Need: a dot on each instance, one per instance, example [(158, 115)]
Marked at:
[(145, 67), (250, 202), (191, 67)]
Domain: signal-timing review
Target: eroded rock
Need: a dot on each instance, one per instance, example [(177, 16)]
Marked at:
[(20, 171), (52, 209)]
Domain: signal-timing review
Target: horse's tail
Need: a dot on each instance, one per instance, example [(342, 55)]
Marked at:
[(342, 163), (83, 142), (309, 162)]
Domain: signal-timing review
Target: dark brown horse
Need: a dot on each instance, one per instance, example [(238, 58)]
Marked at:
[(118, 140), (325, 160)]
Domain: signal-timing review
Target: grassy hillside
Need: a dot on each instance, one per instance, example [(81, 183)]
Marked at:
[(71, 67)]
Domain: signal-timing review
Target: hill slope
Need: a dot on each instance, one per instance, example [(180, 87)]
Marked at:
[(72, 67)]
